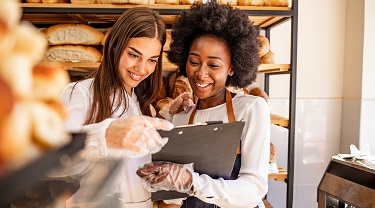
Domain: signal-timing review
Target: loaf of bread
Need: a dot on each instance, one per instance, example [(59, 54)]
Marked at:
[(15, 137), (16, 70), (52, 133), (161, 104), (33, 1), (264, 46), (10, 15), (277, 3), (272, 153), (49, 79), (173, 2), (106, 32), (251, 2), (7, 99), (167, 41), (142, 2), (163, 89), (50, 1), (82, 1), (269, 58), (79, 34), (112, 1), (180, 86), (190, 2), (230, 2), (171, 81), (74, 54)]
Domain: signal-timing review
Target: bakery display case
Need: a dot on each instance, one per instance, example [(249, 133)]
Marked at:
[(103, 16), (347, 183), (13, 187)]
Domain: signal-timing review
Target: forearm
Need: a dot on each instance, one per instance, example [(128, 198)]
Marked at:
[(246, 191)]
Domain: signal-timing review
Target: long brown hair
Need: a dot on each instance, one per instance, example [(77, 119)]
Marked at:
[(135, 22)]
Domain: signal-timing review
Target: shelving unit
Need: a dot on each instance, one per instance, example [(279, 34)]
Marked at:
[(103, 16)]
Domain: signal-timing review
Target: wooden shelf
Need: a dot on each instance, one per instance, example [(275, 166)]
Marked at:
[(281, 176), (105, 15), (279, 120), (274, 68)]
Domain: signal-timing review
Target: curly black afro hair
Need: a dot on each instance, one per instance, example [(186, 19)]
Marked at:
[(227, 24)]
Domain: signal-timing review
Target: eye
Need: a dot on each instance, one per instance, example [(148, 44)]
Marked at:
[(154, 61), (213, 65), (193, 63), (133, 55)]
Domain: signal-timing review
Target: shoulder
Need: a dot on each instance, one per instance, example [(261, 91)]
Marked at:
[(249, 101)]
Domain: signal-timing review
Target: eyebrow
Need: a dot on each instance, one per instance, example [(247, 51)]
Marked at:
[(156, 56), (213, 57)]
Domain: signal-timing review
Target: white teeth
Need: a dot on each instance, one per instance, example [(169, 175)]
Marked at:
[(202, 85), (135, 76)]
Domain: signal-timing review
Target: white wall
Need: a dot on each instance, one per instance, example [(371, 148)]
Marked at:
[(320, 74)]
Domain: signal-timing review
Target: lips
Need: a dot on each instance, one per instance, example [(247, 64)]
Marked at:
[(203, 85), (135, 77)]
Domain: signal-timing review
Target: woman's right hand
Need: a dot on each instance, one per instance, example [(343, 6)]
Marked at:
[(137, 136), (181, 103)]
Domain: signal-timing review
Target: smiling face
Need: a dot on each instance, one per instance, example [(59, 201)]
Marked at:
[(138, 61), (207, 69)]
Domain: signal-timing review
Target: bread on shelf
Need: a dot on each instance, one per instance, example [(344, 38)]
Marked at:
[(75, 34), (73, 54)]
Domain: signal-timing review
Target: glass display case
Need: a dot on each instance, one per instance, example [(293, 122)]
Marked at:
[(60, 178)]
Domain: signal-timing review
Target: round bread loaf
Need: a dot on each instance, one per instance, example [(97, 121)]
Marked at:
[(264, 46), (251, 2), (49, 79), (269, 58), (79, 34)]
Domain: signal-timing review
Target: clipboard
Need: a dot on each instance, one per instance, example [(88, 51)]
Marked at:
[(212, 147)]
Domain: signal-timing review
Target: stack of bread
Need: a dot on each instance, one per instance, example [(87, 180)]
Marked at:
[(75, 43), (266, 56), (31, 118), (273, 3)]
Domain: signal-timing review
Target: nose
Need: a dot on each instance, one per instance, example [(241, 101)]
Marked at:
[(141, 67), (202, 72)]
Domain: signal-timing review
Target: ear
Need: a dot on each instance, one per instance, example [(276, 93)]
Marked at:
[(231, 71)]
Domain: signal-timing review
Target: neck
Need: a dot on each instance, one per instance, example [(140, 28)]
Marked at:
[(212, 101)]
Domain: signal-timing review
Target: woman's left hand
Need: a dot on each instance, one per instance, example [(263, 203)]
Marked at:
[(167, 176)]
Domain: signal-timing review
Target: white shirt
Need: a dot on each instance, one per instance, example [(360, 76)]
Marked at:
[(252, 183), (77, 103)]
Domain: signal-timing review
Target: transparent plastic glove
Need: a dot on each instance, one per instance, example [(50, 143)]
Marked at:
[(136, 136), (167, 176), (183, 102)]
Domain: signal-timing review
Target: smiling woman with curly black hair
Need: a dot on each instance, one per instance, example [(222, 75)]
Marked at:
[(216, 46), (227, 24)]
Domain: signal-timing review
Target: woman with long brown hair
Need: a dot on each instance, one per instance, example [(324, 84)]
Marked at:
[(116, 100)]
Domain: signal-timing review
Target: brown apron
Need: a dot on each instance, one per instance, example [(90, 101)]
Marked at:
[(193, 202)]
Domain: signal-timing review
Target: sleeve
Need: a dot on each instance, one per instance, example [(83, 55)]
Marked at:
[(252, 183), (76, 100)]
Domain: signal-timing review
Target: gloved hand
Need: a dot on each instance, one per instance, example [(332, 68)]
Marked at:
[(181, 103), (137, 136), (167, 176)]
